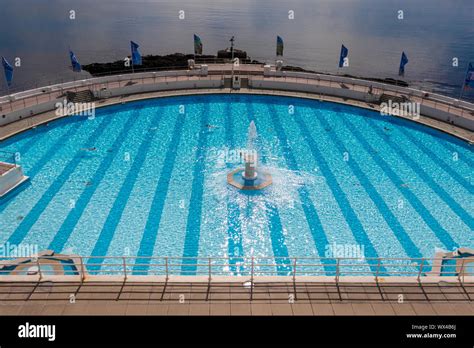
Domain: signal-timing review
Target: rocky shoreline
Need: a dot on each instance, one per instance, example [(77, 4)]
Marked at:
[(177, 61)]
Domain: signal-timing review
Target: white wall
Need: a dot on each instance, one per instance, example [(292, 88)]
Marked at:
[(464, 122), (206, 81), (10, 117)]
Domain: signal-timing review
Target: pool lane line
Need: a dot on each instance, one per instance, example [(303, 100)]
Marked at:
[(147, 243), (31, 135), (390, 218), (352, 220), (27, 223), (277, 238), (434, 186), (34, 138), (436, 159), (74, 215), (411, 198), (234, 229), (114, 216), (41, 162), (463, 157), (450, 141), (193, 224)]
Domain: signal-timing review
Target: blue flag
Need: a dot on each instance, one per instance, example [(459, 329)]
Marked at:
[(8, 71), (469, 81), (197, 45), (279, 46), (403, 62), (343, 56), (136, 56), (76, 67)]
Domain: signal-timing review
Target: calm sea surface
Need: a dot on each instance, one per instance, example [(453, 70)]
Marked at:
[(432, 33)]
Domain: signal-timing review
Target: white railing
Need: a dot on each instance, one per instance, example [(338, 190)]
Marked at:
[(40, 95), (33, 97), (453, 106), (248, 267)]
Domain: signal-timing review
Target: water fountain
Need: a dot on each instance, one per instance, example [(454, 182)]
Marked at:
[(248, 178)]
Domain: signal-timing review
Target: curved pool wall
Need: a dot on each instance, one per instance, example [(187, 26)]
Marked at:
[(111, 89), (149, 179)]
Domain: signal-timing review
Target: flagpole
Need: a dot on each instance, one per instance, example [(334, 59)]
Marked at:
[(339, 65), (276, 55), (276, 59), (6, 78), (462, 90), (232, 59), (131, 56), (464, 82)]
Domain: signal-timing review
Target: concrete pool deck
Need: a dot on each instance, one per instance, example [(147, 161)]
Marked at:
[(232, 298)]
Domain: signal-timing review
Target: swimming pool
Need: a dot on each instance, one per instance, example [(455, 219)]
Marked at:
[(149, 179)]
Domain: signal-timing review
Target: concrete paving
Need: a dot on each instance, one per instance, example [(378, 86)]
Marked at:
[(302, 298)]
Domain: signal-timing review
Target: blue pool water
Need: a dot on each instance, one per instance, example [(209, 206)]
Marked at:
[(155, 185)]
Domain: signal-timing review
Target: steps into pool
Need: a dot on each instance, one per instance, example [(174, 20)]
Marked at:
[(80, 97), (11, 176)]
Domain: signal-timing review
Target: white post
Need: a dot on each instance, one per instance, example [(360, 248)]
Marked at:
[(232, 60), (463, 83), (251, 280), (210, 271), (124, 268), (377, 273), (82, 269), (39, 269), (294, 277), (421, 270), (461, 271)]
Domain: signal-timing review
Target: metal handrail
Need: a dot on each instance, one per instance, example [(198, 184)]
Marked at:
[(251, 266), (387, 89)]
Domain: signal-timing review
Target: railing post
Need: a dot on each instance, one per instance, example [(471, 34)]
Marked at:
[(166, 268), (124, 268), (421, 270), (39, 269), (294, 277), (461, 271), (251, 279), (82, 269), (377, 272), (337, 270), (210, 269), (294, 270)]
